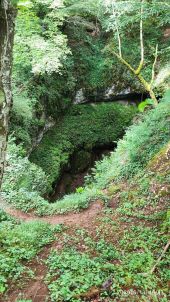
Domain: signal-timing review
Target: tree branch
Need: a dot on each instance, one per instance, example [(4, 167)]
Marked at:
[(119, 40), (161, 256), (118, 33), (123, 61), (138, 70), (140, 78), (153, 67)]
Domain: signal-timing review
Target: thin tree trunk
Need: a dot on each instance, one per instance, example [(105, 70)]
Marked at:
[(7, 18), (137, 72), (147, 86)]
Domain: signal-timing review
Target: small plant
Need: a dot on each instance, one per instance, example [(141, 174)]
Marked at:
[(143, 105), (80, 190), (23, 300), (20, 243), (72, 275)]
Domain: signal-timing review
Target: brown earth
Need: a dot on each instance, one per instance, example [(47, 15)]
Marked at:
[(82, 219)]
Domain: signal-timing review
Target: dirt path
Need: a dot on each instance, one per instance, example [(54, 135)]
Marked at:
[(82, 219), (35, 289)]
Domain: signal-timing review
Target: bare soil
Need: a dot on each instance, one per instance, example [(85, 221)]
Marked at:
[(82, 219)]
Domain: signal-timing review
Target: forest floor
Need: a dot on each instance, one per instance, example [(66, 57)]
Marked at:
[(36, 289), (104, 253), (96, 222)]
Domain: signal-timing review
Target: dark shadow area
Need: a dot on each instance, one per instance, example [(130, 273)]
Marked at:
[(81, 163), (132, 98)]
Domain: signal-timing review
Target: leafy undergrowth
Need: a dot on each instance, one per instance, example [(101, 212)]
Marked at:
[(110, 260), (107, 266), (113, 260), (19, 243)]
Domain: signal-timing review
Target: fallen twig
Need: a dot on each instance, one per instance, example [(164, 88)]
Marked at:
[(161, 256)]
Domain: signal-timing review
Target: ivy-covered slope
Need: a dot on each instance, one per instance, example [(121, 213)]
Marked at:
[(114, 257), (83, 127), (139, 145), (128, 163)]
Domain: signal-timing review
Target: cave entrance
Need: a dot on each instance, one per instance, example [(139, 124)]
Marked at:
[(80, 165)]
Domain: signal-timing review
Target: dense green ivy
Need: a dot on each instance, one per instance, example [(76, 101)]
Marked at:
[(83, 127), (140, 143)]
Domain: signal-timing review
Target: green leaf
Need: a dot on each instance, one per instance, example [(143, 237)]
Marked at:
[(144, 104), (2, 288)]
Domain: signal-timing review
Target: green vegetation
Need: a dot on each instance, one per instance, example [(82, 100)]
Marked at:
[(108, 241), (108, 123), (129, 160), (140, 143), (98, 266), (23, 182), (82, 128), (77, 39), (86, 273), (115, 260), (19, 243), (24, 124)]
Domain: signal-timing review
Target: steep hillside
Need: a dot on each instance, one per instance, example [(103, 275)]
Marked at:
[(117, 250), (84, 150)]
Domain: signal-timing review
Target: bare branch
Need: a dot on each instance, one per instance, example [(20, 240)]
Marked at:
[(141, 41), (141, 34), (118, 33), (122, 60), (119, 40), (153, 67), (140, 78), (161, 256)]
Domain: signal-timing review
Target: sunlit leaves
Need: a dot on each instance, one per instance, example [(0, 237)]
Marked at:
[(129, 11), (143, 105), (48, 54), (39, 45)]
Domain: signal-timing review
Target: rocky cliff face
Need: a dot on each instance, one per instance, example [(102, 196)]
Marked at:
[(111, 94)]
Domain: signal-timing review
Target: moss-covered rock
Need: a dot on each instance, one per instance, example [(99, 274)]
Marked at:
[(82, 128)]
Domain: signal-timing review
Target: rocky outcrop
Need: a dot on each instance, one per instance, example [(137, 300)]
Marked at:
[(49, 123), (126, 96)]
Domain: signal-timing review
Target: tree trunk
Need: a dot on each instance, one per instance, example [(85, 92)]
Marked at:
[(148, 88), (7, 18), (140, 78)]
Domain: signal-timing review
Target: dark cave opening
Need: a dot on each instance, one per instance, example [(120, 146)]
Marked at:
[(80, 165)]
